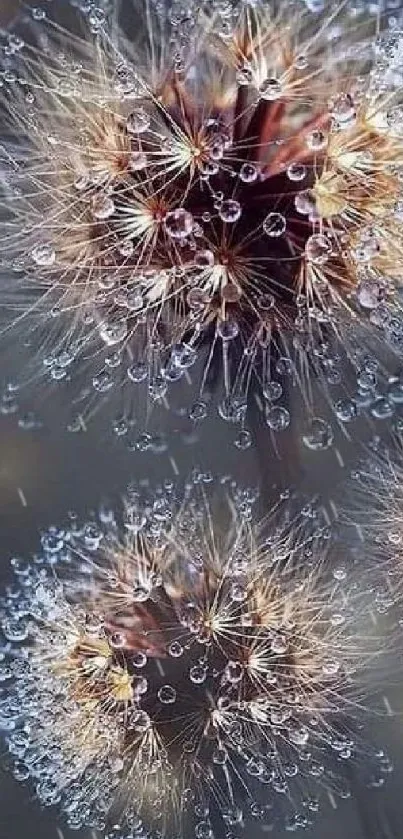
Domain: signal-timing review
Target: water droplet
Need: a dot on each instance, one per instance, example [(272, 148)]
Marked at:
[(305, 203), (198, 411), (319, 435), (117, 640), (179, 223), (244, 76), (233, 672), (103, 207), (230, 211), (203, 259), (138, 121), (137, 372), (370, 294), (44, 255), (139, 660), (296, 172), (301, 61), (271, 89), (346, 409), (248, 173), (203, 831), (175, 649), (244, 440), (382, 408), (272, 391), (316, 140), (274, 225), (141, 721), (227, 330), (113, 333), (137, 161), (318, 248), (279, 644), (342, 110), (277, 418), (167, 695), (198, 674)]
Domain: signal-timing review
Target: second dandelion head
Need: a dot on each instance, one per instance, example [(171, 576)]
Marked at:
[(183, 666)]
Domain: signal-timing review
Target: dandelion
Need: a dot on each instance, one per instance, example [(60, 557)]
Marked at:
[(179, 665), (227, 192)]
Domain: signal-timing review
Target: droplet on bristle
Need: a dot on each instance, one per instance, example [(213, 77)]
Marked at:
[(44, 255), (274, 225), (179, 223)]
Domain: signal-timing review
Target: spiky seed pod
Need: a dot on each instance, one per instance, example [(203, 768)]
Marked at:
[(185, 666), (229, 190)]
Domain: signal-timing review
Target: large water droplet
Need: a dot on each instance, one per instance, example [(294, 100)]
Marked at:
[(179, 223), (44, 255), (230, 211), (274, 225), (271, 89), (319, 435), (138, 121)]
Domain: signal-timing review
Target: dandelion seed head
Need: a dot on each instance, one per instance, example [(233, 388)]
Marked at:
[(227, 191), (178, 664)]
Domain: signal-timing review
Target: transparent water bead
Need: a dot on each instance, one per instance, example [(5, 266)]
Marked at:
[(230, 211), (248, 173), (167, 695), (138, 161), (319, 435), (274, 225), (318, 249), (138, 121), (103, 207), (44, 255), (271, 89), (296, 172), (342, 110), (277, 418), (179, 223)]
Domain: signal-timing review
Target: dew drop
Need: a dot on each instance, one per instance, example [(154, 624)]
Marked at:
[(227, 330), (179, 223), (296, 172), (319, 435), (137, 161), (175, 649), (343, 111), (138, 121), (44, 255), (277, 418), (346, 409), (316, 140), (271, 89), (230, 211), (103, 207), (318, 249), (204, 259), (248, 173), (167, 695), (198, 674), (141, 721), (274, 225)]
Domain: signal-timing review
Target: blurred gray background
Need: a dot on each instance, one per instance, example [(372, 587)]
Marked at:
[(46, 472)]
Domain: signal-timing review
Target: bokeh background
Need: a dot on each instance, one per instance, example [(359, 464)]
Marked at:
[(45, 471)]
